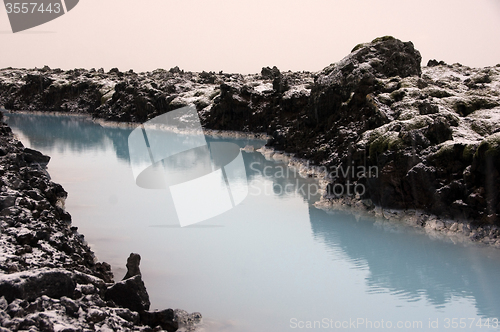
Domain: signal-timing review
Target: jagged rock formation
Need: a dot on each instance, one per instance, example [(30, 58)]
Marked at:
[(133, 262), (49, 278), (129, 293), (431, 132), (36, 230)]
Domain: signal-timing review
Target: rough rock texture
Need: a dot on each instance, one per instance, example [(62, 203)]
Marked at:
[(30, 285), (130, 293), (133, 266), (36, 231), (431, 132), (164, 318), (50, 279)]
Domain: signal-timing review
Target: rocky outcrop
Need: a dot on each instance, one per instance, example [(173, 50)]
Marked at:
[(341, 90), (130, 293), (133, 262), (418, 130), (428, 133), (47, 89), (49, 277), (36, 230), (30, 285), (389, 133), (425, 146), (164, 319)]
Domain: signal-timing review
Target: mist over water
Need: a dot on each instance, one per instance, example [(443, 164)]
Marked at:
[(271, 262)]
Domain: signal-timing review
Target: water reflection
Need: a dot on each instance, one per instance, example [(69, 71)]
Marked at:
[(412, 266), (80, 134), (69, 133)]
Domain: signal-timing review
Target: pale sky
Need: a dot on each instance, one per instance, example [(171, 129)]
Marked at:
[(243, 36)]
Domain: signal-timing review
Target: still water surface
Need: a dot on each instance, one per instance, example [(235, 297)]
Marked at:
[(273, 263)]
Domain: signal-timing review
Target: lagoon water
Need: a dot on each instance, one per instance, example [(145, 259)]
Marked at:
[(272, 263)]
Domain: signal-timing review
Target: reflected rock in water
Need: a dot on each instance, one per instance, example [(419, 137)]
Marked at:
[(409, 265)]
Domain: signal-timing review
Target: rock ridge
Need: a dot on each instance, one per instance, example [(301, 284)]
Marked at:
[(431, 132)]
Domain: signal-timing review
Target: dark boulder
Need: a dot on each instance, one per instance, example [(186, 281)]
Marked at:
[(163, 318), (439, 131), (209, 77), (270, 73), (130, 293), (103, 271), (34, 156), (426, 108), (70, 306), (133, 263), (29, 285), (434, 63), (420, 185), (343, 87)]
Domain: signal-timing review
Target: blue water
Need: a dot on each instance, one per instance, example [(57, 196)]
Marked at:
[(274, 262)]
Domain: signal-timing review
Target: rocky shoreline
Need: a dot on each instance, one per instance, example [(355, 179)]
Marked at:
[(461, 231), (50, 280), (431, 133)]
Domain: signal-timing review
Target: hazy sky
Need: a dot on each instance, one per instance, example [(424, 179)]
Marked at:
[(245, 35)]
